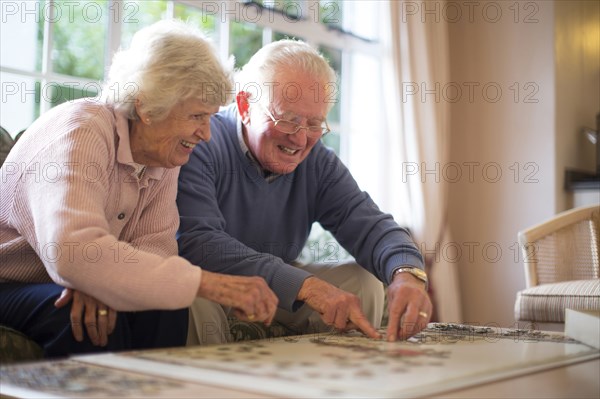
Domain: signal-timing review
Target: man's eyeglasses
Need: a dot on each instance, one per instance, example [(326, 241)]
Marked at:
[(289, 127)]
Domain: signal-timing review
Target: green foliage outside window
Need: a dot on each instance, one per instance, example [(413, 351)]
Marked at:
[(282, 36), (196, 17), (330, 12), (79, 39), (334, 57), (245, 40), (138, 14)]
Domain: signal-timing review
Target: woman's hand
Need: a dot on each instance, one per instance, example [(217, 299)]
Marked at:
[(98, 318), (250, 297)]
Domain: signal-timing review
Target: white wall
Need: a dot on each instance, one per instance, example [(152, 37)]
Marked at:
[(557, 53), (515, 135)]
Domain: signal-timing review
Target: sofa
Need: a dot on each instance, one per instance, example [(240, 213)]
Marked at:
[(15, 347)]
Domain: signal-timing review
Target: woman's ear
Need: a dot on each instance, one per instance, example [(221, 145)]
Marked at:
[(144, 117), (243, 106)]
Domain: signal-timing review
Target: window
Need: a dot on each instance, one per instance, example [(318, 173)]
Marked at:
[(21, 64), (64, 48), (245, 39), (194, 15), (139, 13), (334, 56), (78, 40)]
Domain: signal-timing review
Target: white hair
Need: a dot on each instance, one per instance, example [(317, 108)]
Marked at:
[(282, 56), (167, 62)]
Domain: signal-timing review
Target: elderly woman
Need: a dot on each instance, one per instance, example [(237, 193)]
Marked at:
[(88, 203)]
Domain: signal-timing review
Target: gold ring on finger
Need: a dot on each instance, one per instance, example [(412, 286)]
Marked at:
[(423, 314), (102, 312), (250, 317)]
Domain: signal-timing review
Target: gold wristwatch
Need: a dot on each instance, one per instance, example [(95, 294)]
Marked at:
[(415, 271)]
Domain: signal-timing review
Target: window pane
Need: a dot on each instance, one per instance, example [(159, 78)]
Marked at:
[(246, 39), (334, 56), (196, 17), (322, 247), (332, 140), (20, 102), (21, 33), (331, 13), (365, 115), (362, 18), (79, 38), (280, 36), (138, 14)]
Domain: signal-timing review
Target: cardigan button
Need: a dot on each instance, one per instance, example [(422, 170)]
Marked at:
[(121, 216)]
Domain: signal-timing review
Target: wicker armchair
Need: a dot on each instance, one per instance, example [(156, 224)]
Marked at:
[(562, 268)]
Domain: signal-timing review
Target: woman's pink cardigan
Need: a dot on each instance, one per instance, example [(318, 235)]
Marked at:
[(74, 211)]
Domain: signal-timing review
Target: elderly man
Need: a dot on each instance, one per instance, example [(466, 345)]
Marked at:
[(247, 201)]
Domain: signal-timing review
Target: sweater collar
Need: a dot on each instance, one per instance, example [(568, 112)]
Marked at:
[(124, 155)]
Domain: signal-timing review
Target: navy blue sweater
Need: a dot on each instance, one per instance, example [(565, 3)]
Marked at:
[(235, 222)]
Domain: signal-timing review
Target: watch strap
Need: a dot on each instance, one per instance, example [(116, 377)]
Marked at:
[(415, 271)]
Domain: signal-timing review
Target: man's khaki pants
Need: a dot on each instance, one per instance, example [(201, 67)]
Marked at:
[(208, 320)]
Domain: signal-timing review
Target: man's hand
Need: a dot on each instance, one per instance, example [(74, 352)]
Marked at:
[(99, 319), (409, 307), (338, 308), (250, 297)]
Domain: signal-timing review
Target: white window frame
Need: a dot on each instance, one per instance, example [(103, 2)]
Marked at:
[(311, 30)]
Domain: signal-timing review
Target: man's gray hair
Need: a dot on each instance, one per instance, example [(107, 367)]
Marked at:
[(257, 77), (167, 62)]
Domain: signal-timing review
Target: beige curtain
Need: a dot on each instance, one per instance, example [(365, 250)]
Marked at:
[(415, 63)]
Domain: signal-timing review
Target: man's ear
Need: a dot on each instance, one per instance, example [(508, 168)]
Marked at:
[(243, 105)]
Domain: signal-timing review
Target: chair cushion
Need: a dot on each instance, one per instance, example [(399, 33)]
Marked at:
[(548, 302), (244, 331), (6, 143), (16, 347)]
